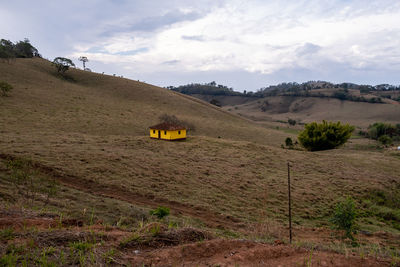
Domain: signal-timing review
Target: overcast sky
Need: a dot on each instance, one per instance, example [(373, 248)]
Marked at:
[(243, 44)]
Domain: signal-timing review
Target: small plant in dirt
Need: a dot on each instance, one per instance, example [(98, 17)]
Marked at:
[(134, 238), (325, 135), (109, 256), (81, 246), (5, 88), (9, 259), (160, 212), (7, 234), (344, 217)]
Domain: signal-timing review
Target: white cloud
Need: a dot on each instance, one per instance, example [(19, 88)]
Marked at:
[(266, 37)]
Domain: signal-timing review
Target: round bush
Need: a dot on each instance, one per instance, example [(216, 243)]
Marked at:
[(325, 135)]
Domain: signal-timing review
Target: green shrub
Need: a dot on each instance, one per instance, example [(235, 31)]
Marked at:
[(344, 217), (292, 122), (5, 88), (160, 212), (325, 135), (379, 129), (385, 140), (289, 142)]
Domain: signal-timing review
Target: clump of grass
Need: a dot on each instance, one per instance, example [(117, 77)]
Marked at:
[(160, 212), (9, 259), (81, 246), (131, 239), (109, 256), (7, 234)]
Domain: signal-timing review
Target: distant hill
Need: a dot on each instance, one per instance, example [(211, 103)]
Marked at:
[(360, 105), (343, 91)]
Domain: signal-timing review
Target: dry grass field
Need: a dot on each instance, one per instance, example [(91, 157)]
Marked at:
[(89, 132)]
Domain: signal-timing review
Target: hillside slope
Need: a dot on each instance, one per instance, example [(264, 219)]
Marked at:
[(98, 104)]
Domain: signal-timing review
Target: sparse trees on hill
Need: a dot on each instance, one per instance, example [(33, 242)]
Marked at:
[(6, 50), (325, 135), (22, 49), (62, 64)]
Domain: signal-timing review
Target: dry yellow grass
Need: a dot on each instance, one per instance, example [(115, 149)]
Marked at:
[(104, 105)]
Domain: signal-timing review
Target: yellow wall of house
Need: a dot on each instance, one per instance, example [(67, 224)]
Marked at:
[(177, 134), (168, 135)]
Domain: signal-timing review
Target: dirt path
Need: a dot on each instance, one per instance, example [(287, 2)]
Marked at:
[(209, 218)]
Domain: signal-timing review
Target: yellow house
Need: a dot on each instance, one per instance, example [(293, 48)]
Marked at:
[(168, 131)]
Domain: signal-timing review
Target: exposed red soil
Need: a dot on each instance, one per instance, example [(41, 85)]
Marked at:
[(23, 219), (177, 247), (220, 252)]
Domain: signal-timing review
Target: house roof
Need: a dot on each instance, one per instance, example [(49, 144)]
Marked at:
[(167, 126)]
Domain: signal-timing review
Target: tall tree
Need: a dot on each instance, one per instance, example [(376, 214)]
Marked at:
[(84, 60), (62, 64), (24, 49)]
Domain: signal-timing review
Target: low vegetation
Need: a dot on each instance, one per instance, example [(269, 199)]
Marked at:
[(62, 64), (160, 212), (344, 217), (325, 135), (211, 88), (21, 49), (28, 183), (5, 88)]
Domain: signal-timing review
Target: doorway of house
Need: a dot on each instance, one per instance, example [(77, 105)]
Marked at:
[(159, 134)]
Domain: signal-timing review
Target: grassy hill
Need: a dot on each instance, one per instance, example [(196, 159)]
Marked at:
[(89, 133), (309, 109), (89, 103)]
